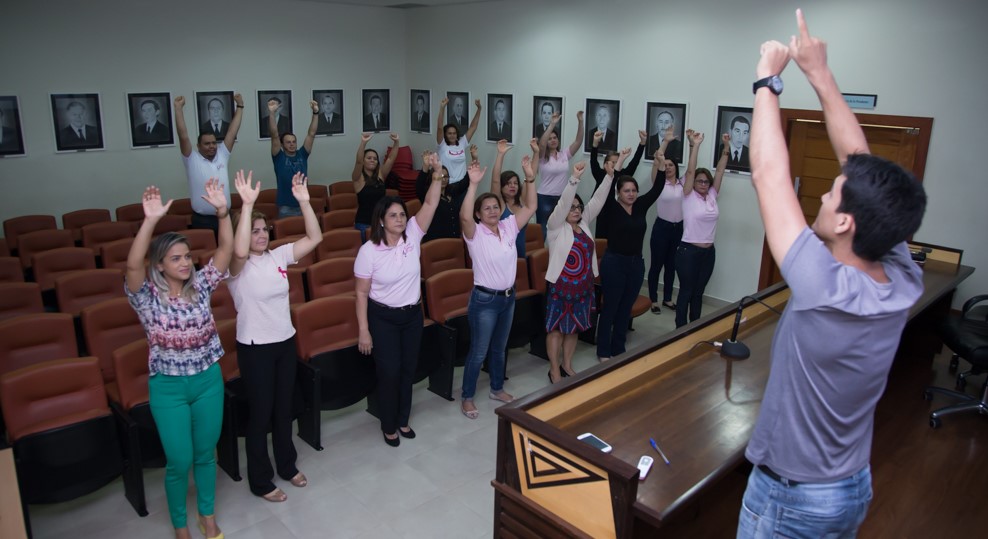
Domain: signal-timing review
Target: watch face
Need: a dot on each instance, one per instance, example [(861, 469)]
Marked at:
[(775, 84)]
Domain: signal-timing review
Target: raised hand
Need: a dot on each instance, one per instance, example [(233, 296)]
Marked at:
[(598, 135), (151, 201), (534, 145), (695, 137), (773, 61), (272, 105), (725, 140), (394, 138), (443, 102), (555, 118), (365, 137), (179, 101), (578, 169), (658, 158), (579, 115), (476, 102), (314, 106), (642, 136), (300, 188), (247, 193), (435, 163), (502, 146), (810, 53), (609, 167), (426, 162), (625, 152), (473, 152), (669, 135), (238, 99), (475, 173), (214, 195), (526, 167)]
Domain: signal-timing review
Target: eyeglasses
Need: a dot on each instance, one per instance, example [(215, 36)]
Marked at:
[(268, 228), (576, 207), (701, 180), (445, 176)]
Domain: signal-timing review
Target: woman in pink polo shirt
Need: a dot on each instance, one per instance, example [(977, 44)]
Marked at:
[(265, 336), (491, 243), (389, 309), (695, 255), (554, 167)]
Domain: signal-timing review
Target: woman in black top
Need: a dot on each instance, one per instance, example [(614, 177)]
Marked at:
[(622, 268), (446, 220), (616, 159), (368, 180)]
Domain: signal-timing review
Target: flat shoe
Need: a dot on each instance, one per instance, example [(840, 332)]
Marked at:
[(299, 480), (407, 433), (393, 442), (275, 496), (656, 309), (669, 305), (501, 396), (471, 414)]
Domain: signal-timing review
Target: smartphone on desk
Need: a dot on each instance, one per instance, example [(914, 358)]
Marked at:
[(594, 441)]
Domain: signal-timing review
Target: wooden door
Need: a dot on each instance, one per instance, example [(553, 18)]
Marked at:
[(814, 166)]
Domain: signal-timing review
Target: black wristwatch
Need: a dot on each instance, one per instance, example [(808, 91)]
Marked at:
[(773, 83)]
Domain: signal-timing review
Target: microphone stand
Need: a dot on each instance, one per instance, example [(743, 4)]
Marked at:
[(732, 347)]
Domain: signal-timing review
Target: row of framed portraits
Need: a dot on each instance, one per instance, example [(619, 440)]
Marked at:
[(77, 120)]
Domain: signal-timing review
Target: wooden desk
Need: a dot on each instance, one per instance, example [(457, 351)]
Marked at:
[(700, 408)]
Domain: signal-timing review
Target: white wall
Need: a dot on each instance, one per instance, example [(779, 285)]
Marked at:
[(922, 60)]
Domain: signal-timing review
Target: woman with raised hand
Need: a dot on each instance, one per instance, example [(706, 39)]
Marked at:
[(695, 255), (185, 381), (667, 230), (622, 269), (618, 159), (446, 220), (389, 302), (265, 337), (453, 145), (571, 271), (509, 189), (555, 167), (368, 179), (491, 243)]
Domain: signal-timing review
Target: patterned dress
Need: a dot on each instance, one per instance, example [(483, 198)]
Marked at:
[(570, 299)]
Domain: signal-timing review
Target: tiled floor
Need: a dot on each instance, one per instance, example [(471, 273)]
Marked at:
[(436, 486)]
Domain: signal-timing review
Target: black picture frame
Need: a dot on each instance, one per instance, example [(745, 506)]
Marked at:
[(613, 123), (497, 103), (727, 119), (151, 121), (541, 104), (11, 130), (75, 112), (451, 109), (658, 116), (367, 106), (204, 118), (285, 117), (420, 121), (330, 122)]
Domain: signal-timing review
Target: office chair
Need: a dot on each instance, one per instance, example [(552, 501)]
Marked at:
[(967, 336)]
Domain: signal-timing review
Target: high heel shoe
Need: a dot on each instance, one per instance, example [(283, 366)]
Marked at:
[(202, 530), (563, 373)]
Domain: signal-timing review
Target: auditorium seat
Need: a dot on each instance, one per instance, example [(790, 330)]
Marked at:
[(235, 201), (331, 277), (15, 226), (221, 303), (269, 209), (183, 208), (113, 255), (343, 201), (442, 254), (338, 243), (98, 234), (533, 238), (11, 270), (41, 240), (18, 299), (339, 188), (538, 264), (33, 338), (75, 220), (338, 219), (267, 196), (201, 241), (413, 206), (106, 326), (318, 197), (49, 265), (171, 223), (79, 289), (289, 227), (306, 260), (447, 295), (130, 213), (529, 318)]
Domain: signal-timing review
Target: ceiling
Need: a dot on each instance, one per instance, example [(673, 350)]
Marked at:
[(402, 4)]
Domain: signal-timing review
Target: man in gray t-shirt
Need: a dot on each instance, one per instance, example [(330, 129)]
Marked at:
[(852, 284)]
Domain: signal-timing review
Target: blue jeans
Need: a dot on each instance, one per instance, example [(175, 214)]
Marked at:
[(665, 239), (363, 231), (694, 266), (288, 211), (621, 279), (812, 510), (547, 203), (490, 322)]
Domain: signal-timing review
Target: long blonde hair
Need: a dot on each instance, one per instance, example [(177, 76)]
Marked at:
[(156, 255)]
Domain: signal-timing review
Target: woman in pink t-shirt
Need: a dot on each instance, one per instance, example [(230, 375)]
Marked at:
[(695, 255), (389, 302), (266, 352), (554, 167)]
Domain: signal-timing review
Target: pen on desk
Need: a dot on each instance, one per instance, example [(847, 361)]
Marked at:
[(661, 454)]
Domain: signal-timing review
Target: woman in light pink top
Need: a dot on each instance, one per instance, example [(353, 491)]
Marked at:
[(695, 255), (554, 167)]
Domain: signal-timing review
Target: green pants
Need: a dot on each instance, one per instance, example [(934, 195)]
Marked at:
[(188, 411)]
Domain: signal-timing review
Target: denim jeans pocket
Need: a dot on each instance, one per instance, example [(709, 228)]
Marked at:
[(482, 298), (824, 521)]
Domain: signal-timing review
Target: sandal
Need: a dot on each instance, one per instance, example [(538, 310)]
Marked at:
[(471, 414), (669, 305), (502, 396), (202, 529), (276, 496), (299, 480)]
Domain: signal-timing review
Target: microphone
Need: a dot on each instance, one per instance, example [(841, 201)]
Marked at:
[(733, 348)]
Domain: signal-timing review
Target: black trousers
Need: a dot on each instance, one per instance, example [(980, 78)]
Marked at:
[(694, 266), (209, 222), (397, 336), (268, 373)]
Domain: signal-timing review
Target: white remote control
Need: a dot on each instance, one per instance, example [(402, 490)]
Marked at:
[(644, 465)]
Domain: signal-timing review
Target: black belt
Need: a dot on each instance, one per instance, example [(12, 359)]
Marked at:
[(493, 292), (778, 478), (403, 308)]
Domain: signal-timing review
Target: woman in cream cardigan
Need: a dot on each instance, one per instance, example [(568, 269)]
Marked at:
[(571, 271)]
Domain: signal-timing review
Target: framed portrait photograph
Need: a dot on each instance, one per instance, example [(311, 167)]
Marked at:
[(736, 122), (500, 117), (214, 111), (659, 117), (602, 115), (330, 112), (458, 111), (77, 121), (11, 132), (544, 107), (376, 110), (150, 115), (283, 113), (419, 103)]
